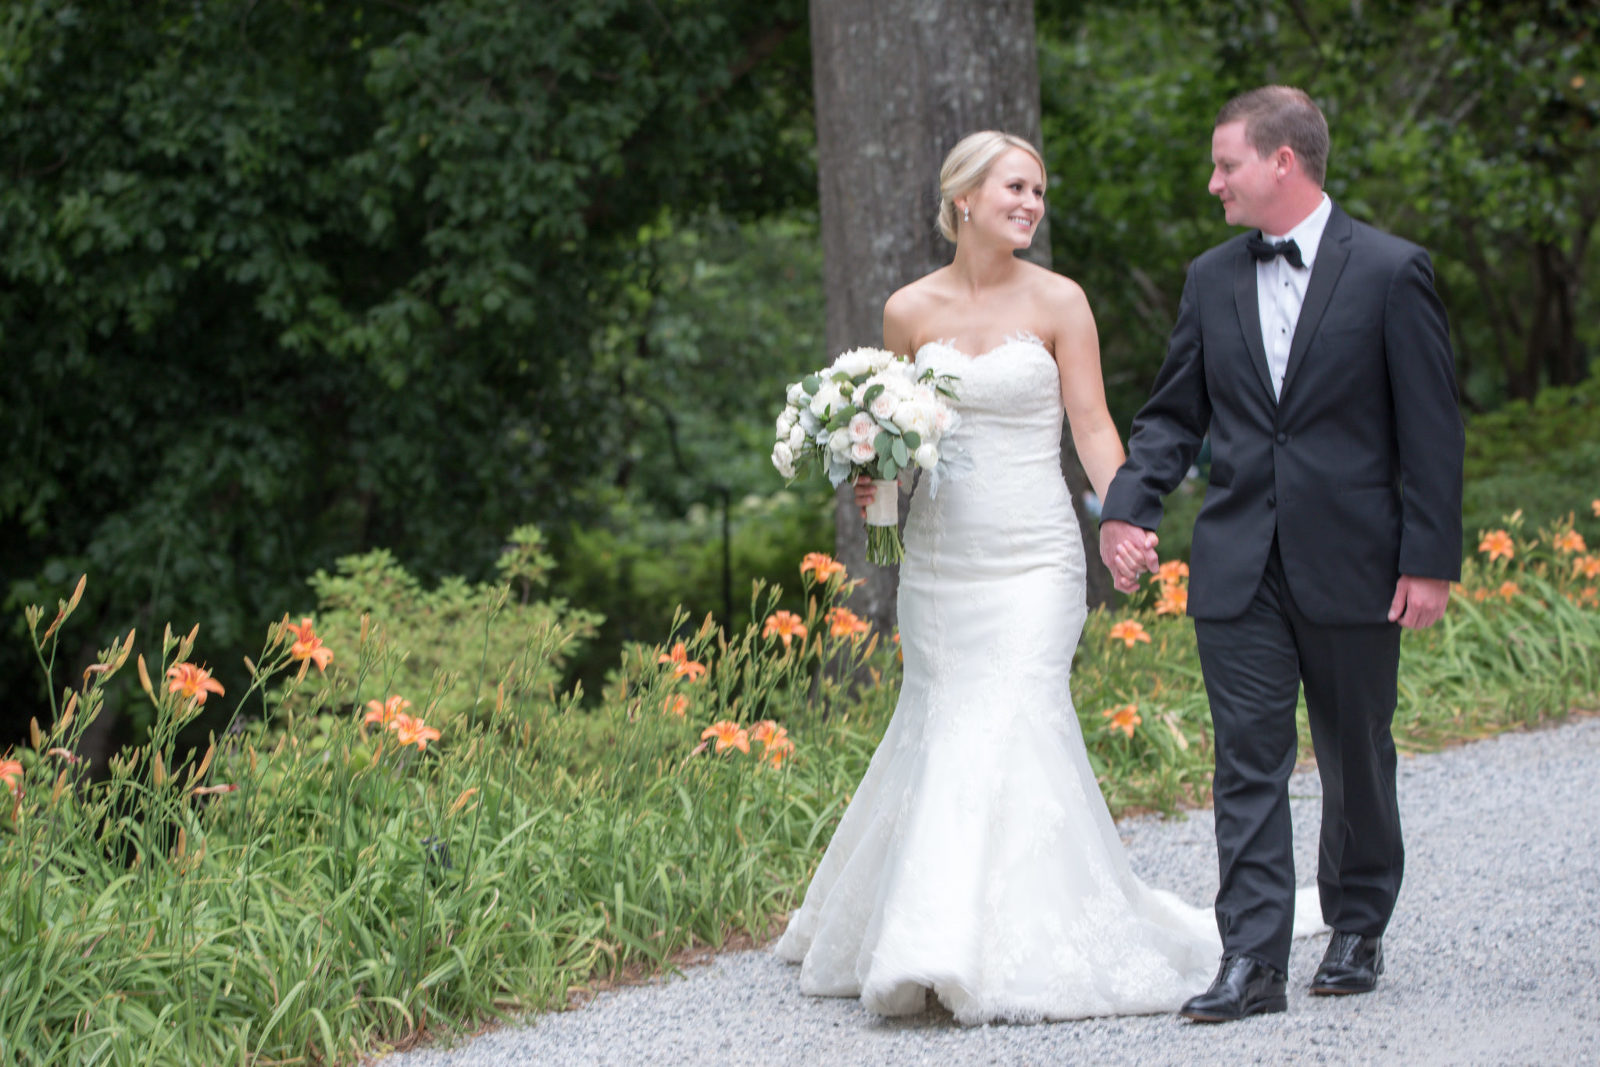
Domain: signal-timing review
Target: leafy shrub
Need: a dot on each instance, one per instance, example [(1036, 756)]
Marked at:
[(464, 644)]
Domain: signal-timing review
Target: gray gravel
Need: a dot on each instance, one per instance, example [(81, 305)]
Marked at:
[(1493, 956)]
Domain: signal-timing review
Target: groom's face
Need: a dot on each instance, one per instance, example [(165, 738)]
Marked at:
[(1245, 182)]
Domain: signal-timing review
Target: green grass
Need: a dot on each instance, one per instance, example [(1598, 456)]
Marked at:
[(350, 893)]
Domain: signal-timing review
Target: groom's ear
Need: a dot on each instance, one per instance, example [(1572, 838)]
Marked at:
[(1284, 161)]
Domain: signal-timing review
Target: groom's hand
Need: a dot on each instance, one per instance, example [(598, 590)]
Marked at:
[(1419, 602), (1126, 550)]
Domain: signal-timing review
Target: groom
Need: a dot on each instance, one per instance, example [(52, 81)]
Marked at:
[(1315, 353)]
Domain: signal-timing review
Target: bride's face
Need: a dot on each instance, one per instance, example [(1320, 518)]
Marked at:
[(1008, 205)]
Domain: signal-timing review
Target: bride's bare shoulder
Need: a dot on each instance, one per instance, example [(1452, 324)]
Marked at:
[(911, 305), (920, 296), (1054, 287)]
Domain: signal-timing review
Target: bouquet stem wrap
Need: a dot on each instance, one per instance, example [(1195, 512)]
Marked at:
[(883, 524)]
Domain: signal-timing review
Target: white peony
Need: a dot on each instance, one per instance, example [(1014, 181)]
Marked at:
[(783, 459), (862, 428), (863, 452), (883, 404), (926, 456), (855, 363)]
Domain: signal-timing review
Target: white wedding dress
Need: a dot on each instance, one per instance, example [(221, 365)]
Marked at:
[(977, 858)]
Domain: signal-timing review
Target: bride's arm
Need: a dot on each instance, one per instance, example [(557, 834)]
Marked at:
[(1083, 392)]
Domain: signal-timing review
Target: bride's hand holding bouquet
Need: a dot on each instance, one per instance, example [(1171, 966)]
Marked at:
[(870, 415)]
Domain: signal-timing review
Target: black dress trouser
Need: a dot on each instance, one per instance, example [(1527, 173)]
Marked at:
[(1254, 666)]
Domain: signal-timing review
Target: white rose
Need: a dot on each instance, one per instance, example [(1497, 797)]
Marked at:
[(786, 420), (839, 442), (797, 437), (863, 452), (883, 404), (862, 428), (809, 422), (826, 399), (783, 459), (926, 456), (944, 418), (796, 395)]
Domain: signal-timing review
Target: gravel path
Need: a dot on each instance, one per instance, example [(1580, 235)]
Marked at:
[(1493, 956)]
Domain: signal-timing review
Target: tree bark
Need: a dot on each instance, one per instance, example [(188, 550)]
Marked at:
[(898, 83)]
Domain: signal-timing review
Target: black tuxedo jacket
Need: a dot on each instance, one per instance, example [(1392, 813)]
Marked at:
[(1356, 467)]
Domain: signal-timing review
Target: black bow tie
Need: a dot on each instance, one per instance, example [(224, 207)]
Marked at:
[(1264, 250)]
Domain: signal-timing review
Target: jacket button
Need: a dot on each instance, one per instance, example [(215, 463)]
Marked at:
[(1283, 438)]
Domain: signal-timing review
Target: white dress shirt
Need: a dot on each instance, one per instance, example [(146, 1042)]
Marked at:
[(1281, 289)]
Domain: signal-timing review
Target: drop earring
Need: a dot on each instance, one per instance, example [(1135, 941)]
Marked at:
[(966, 214)]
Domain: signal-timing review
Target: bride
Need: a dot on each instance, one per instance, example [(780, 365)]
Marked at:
[(977, 858)]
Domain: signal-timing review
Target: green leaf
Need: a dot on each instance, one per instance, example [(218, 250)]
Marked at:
[(901, 456)]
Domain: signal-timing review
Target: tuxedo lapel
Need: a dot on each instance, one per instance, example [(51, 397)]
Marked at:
[(1248, 303), (1332, 253)]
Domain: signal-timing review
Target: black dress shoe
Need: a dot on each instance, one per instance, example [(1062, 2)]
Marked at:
[(1351, 965), (1243, 986)]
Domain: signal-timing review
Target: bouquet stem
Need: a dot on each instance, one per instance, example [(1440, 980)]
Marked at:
[(883, 545)]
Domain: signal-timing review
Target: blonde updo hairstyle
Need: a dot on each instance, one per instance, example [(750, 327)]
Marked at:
[(968, 165)]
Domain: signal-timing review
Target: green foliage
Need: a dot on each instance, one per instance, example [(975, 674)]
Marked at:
[(639, 570), (1533, 457), (470, 647), (285, 282), (312, 886)]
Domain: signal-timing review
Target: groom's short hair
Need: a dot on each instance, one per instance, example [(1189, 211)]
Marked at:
[(1275, 115)]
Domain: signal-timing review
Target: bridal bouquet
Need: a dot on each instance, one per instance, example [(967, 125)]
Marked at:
[(871, 413)]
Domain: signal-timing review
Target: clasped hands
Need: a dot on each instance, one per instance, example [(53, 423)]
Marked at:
[(1127, 551)]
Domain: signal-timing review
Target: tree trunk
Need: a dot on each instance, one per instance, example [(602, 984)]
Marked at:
[(898, 83)]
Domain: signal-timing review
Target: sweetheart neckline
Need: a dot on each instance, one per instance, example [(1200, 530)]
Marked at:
[(1023, 339)]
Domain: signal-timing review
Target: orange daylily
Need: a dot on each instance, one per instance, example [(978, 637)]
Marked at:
[(1129, 633), (1507, 590), (778, 748), (682, 665), (675, 704), (1171, 571), (11, 775), (1595, 507), (1174, 600), (1571, 541), (192, 682), (842, 622), (412, 731), (728, 735), (1124, 718), (824, 566), (307, 645), (1586, 567), (785, 624), (385, 713), (207, 790), (1498, 544), (1589, 596)]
